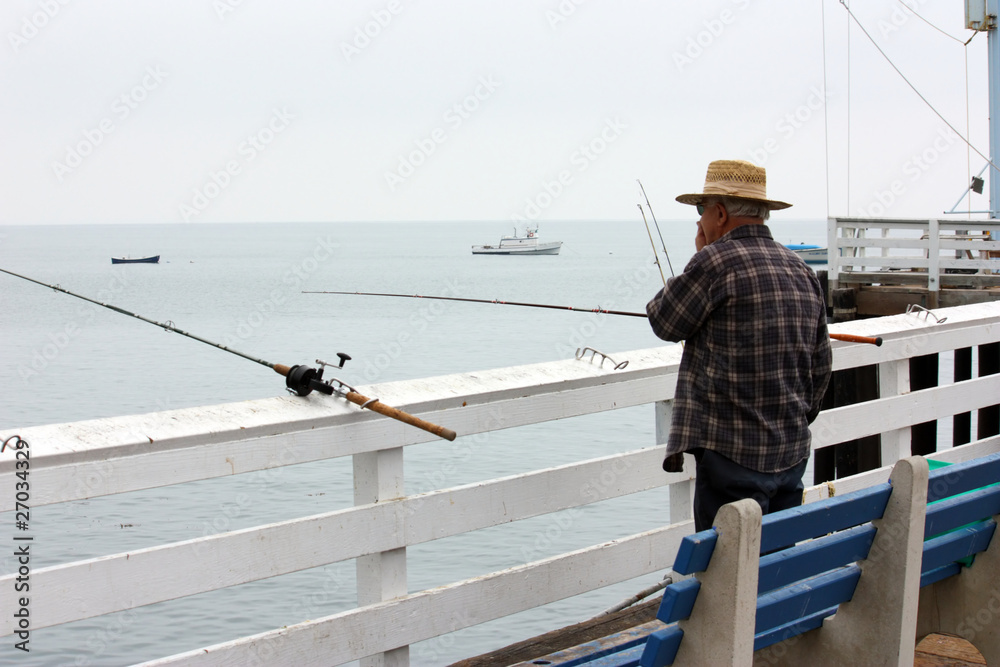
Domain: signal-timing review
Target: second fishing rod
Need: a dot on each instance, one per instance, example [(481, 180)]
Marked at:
[(850, 338)]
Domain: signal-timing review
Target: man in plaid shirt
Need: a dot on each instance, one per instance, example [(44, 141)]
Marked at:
[(756, 361)]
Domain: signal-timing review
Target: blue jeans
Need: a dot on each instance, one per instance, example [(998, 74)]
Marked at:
[(720, 480)]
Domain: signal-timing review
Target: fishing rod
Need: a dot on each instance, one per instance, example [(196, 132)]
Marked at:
[(299, 379), (496, 301), (656, 258), (850, 338), (653, 215)]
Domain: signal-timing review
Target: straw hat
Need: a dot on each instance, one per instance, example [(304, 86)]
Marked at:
[(735, 179)]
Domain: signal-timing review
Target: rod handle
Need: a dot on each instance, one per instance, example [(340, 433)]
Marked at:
[(405, 417), (851, 338)]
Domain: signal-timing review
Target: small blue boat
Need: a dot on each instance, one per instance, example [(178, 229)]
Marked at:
[(155, 259), (810, 254)]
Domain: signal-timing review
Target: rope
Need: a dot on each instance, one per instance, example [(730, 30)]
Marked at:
[(914, 88), (848, 107), (826, 116), (914, 12), (965, 46)]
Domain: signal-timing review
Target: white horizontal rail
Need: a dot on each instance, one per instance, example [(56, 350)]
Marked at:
[(878, 416), (901, 223), (98, 586), (850, 239), (893, 243), (406, 620), (870, 478), (108, 456)]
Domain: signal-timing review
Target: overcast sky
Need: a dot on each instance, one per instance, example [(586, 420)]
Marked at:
[(128, 111)]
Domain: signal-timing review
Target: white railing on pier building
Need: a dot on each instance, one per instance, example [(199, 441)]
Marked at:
[(932, 253), (110, 456)]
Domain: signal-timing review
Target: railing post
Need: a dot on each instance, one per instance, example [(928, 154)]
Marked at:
[(681, 493), (832, 256), (378, 476), (933, 262), (894, 380)]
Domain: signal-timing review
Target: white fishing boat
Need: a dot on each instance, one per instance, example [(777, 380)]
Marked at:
[(520, 245)]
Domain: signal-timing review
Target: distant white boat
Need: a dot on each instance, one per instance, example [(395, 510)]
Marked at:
[(520, 245), (810, 254)]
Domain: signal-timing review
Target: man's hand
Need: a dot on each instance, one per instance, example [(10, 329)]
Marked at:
[(699, 240), (674, 463)]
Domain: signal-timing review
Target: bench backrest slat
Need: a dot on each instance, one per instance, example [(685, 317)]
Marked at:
[(961, 543), (678, 600), (933, 576), (790, 603), (695, 552), (792, 629), (961, 477), (796, 524), (956, 511), (814, 557), (661, 647)]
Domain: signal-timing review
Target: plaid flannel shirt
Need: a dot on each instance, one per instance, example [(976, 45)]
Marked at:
[(757, 359)]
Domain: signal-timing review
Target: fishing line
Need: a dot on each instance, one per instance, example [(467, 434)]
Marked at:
[(299, 379)]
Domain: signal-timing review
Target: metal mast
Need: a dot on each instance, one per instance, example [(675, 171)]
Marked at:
[(982, 15)]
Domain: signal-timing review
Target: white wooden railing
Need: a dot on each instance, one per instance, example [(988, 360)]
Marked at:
[(108, 456), (927, 252)]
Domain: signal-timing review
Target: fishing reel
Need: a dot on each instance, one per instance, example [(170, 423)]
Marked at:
[(302, 380)]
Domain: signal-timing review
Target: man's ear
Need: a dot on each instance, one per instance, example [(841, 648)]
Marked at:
[(721, 217)]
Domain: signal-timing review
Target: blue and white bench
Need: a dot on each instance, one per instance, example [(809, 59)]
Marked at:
[(848, 580)]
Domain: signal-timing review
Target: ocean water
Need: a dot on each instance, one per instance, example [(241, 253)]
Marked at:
[(242, 285)]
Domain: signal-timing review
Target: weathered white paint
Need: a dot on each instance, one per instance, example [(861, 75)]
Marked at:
[(378, 477), (445, 609), (872, 417), (102, 585), (894, 380), (101, 457)]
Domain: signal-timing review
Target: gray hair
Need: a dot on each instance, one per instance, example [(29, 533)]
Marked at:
[(741, 208)]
